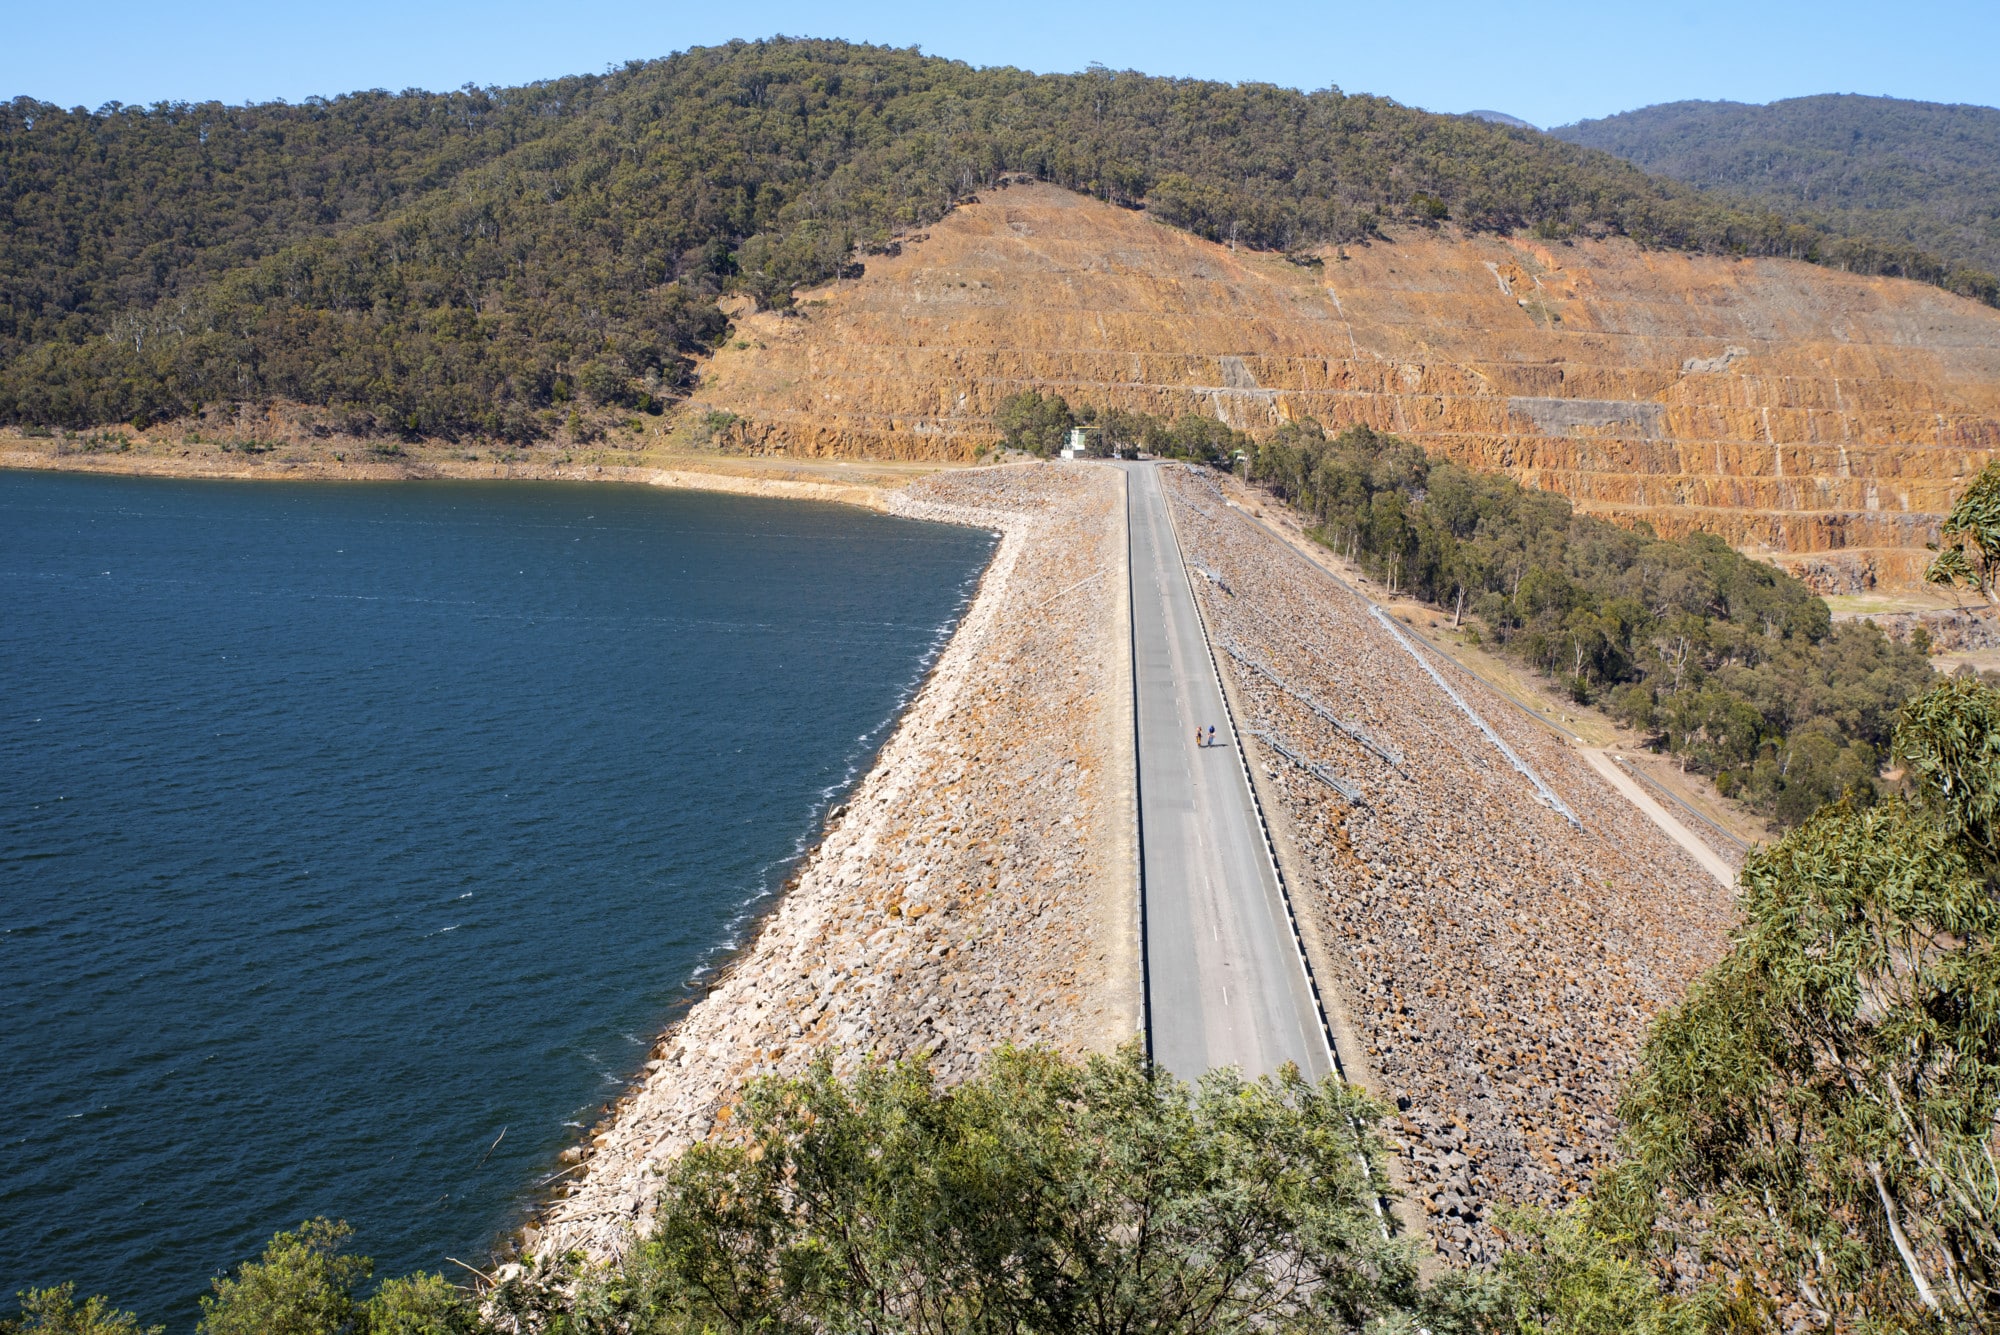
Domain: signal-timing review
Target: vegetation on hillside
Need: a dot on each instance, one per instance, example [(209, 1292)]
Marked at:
[(1922, 173), (483, 263), (1735, 667), (107, 213), (1820, 1112)]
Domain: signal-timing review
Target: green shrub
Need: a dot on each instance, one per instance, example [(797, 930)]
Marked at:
[(302, 1285), (306, 1284), (1562, 1275), (1030, 422), (420, 1305), (56, 1312), (1044, 1195), (1828, 1092)]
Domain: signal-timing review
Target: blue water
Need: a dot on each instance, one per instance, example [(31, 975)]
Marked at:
[(356, 840)]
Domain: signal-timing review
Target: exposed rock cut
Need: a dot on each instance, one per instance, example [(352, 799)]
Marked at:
[(1791, 409)]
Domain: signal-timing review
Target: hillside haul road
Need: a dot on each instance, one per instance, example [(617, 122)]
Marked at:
[(1226, 982)]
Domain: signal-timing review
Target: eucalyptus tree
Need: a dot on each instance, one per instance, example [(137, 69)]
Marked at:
[(1822, 1113), (1969, 548), (1101, 1198)]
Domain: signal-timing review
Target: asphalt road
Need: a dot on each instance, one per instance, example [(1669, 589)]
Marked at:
[(1225, 984)]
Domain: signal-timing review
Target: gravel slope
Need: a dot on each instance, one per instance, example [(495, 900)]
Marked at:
[(978, 886), (1498, 963)]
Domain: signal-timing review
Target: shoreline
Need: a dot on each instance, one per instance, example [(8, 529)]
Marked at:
[(866, 484), (975, 888)]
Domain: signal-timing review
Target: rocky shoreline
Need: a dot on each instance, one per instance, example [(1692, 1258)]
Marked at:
[(862, 485), (977, 888)]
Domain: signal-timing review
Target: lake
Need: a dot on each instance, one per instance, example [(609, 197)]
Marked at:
[(356, 840)]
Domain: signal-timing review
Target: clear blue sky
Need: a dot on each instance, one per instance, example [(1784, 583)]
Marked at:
[(1548, 63)]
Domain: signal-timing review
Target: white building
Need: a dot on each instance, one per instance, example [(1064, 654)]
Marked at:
[(1082, 439)]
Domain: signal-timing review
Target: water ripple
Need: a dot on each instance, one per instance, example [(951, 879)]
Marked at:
[(342, 826)]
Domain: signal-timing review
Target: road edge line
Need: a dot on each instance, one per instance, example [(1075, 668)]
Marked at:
[(1257, 804), (1138, 777)]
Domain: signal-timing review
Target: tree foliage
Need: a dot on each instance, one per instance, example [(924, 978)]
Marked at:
[(1564, 1274), (1033, 422), (1969, 548), (56, 1312), (1823, 1109), (1737, 668), (1041, 423), (477, 263), (307, 1284), (1922, 173), (1041, 1196)]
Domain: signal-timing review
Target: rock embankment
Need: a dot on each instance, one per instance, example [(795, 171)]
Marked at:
[(976, 889), (1498, 962), (1949, 630)]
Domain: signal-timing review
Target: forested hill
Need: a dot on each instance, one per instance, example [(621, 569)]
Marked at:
[(1920, 172), (482, 262)]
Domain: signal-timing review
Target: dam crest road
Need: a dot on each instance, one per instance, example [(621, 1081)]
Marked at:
[(1227, 984)]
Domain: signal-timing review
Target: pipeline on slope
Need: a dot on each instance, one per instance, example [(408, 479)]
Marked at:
[(1547, 793), (1360, 735), (1326, 776)]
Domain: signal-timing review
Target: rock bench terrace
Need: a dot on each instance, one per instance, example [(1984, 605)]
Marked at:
[(1819, 417)]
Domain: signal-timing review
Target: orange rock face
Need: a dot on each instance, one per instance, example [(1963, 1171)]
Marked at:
[(1815, 417)]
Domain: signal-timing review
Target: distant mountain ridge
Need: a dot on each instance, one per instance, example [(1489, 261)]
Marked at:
[(1925, 173), (1502, 118), (490, 262)]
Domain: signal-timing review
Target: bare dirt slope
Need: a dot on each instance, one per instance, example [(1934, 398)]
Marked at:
[(1800, 412)]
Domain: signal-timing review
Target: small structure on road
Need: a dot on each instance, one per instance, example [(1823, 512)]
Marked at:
[(1087, 442)]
